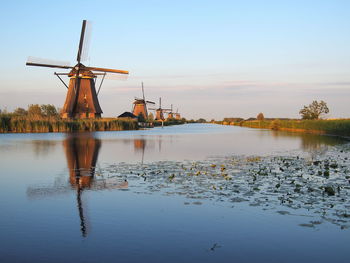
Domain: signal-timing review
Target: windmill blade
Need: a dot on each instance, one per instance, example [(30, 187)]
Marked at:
[(81, 42), (143, 92), (108, 70), (41, 62), (114, 76), (150, 102), (84, 52)]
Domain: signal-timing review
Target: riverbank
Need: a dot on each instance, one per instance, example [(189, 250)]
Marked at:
[(339, 127), (12, 124)]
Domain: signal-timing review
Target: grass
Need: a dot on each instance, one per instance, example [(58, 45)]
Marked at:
[(15, 124), (334, 127), (169, 122)]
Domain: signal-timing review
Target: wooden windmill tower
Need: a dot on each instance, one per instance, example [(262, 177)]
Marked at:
[(171, 113), (160, 111), (177, 115), (81, 100), (140, 105)]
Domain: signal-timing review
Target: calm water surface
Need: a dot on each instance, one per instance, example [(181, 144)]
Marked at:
[(81, 198)]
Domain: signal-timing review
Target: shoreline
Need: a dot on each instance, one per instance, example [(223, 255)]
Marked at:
[(338, 128), (16, 125)]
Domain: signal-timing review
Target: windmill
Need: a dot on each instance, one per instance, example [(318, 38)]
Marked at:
[(81, 100), (171, 113), (177, 115), (160, 111), (140, 105)]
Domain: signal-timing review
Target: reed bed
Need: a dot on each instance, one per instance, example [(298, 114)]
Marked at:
[(334, 127), (169, 122), (15, 124)]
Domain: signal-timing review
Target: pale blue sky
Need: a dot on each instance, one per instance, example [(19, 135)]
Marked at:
[(210, 59)]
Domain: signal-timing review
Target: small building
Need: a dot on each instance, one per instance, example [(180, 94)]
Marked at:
[(127, 115)]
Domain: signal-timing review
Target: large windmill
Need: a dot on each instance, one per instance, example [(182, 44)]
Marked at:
[(140, 105), (160, 111), (81, 100)]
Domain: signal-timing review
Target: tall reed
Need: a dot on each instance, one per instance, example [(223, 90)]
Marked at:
[(21, 124)]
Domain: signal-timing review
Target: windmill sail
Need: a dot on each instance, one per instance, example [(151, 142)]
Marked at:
[(84, 49), (42, 62)]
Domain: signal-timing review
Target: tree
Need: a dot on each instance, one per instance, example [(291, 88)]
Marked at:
[(150, 117), (260, 117), (201, 120), (34, 110), (49, 110), (20, 112), (314, 111), (141, 118)]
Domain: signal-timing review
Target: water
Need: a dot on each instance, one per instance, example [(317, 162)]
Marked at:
[(136, 196)]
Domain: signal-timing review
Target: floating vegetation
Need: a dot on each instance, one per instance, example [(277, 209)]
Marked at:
[(320, 187)]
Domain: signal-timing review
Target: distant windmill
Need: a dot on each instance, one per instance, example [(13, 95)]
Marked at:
[(140, 105), (171, 113), (177, 115), (81, 100), (160, 111)]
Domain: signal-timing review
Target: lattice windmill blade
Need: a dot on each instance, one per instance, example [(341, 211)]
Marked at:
[(49, 63), (81, 42), (150, 102), (109, 70), (143, 92), (84, 50)]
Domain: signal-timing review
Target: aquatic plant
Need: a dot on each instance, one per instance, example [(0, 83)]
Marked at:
[(271, 182)]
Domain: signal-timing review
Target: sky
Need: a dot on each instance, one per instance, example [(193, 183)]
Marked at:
[(210, 59)]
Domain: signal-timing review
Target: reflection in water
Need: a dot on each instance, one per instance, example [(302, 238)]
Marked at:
[(315, 145), (82, 153), (43, 147), (139, 145)]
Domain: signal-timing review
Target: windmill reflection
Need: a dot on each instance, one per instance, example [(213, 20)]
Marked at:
[(81, 150), (140, 145), (81, 153)]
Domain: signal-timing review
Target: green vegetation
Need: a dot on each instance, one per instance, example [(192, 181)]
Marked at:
[(169, 122), (45, 118), (335, 127), (15, 124), (314, 111), (260, 116)]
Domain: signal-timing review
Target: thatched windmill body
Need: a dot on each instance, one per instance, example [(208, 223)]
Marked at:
[(81, 100), (171, 113), (177, 115), (160, 111), (140, 105)]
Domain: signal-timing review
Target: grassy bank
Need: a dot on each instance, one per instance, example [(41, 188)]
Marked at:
[(339, 127), (169, 122), (14, 124)]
